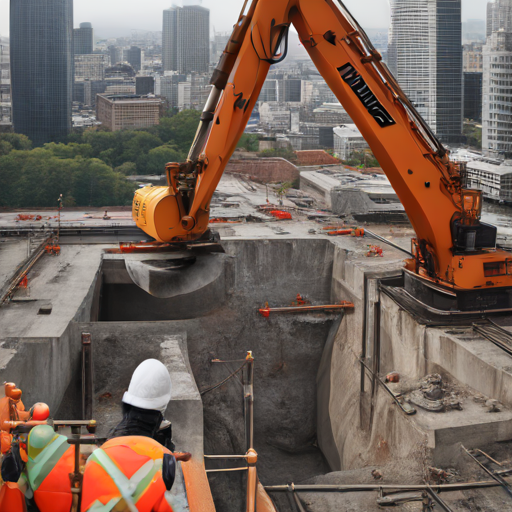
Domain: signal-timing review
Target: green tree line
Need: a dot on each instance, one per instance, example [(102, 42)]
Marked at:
[(91, 168), (36, 177)]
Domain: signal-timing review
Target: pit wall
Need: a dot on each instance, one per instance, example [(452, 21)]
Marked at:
[(43, 367), (357, 428), (358, 422)]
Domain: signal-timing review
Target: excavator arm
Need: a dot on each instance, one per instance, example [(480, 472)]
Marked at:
[(452, 247)]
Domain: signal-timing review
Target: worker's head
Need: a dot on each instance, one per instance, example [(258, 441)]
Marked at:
[(150, 387)]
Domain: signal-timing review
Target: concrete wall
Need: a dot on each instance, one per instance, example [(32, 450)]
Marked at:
[(315, 157), (264, 170), (357, 428), (44, 367)]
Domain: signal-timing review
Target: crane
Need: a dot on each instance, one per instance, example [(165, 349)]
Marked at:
[(454, 254)]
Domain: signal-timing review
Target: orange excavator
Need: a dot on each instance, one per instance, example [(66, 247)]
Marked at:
[(455, 263)]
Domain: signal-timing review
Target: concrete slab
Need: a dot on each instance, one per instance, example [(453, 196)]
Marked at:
[(63, 282)]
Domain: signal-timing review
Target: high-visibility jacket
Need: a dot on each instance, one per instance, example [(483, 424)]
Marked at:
[(50, 461), (126, 474)]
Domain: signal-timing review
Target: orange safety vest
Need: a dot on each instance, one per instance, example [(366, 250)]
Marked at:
[(125, 472), (50, 460)]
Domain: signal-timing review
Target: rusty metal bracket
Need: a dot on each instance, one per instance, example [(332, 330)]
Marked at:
[(265, 312)]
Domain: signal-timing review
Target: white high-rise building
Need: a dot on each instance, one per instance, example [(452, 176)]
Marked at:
[(5, 83), (425, 55), (499, 16), (497, 96), (186, 39), (497, 81)]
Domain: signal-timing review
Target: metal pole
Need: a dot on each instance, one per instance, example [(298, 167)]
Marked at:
[(58, 224), (252, 456), (373, 487), (87, 377), (249, 401)]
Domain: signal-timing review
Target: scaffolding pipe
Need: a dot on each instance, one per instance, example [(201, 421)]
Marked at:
[(376, 487)]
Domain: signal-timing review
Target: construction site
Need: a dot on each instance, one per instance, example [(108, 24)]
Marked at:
[(359, 401), (260, 336)]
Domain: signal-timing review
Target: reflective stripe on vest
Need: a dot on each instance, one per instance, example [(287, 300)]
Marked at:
[(40, 467), (131, 489)]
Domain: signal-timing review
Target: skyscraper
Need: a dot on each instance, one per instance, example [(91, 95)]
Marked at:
[(134, 57), (499, 16), (5, 85), (115, 54), (83, 42), (144, 85), (497, 76), (186, 39), (473, 96), (425, 55), (41, 68)]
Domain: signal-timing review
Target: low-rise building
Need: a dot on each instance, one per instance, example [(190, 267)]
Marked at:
[(118, 112), (495, 181), (347, 139)]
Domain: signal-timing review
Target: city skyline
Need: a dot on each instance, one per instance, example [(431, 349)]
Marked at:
[(110, 20)]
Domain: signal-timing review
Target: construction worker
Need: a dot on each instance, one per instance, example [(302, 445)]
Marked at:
[(145, 402), (130, 473), (134, 469), (42, 474)]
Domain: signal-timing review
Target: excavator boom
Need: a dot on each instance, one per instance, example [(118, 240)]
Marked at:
[(452, 248)]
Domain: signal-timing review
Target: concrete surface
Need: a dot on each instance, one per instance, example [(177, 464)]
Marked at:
[(63, 282)]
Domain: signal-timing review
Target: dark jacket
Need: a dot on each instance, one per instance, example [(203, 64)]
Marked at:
[(143, 422)]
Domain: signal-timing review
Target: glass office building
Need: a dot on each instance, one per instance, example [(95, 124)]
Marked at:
[(83, 39), (41, 34), (425, 55), (186, 39)]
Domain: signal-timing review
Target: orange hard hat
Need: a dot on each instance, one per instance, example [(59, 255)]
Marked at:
[(40, 412)]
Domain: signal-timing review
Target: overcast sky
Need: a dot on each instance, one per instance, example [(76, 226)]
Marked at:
[(113, 18)]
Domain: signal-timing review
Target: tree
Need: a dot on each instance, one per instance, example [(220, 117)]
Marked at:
[(137, 147), (5, 147), (71, 150), (99, 141), (16, 140), (249, 142), (33, 178), (158, 157), (127, 168), (362, 159), (282, 190), (474, 135), (179, 129)]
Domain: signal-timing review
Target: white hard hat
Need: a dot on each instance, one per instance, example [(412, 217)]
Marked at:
[(150, 387)]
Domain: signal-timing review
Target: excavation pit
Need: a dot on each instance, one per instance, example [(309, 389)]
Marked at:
[(316, 410)]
